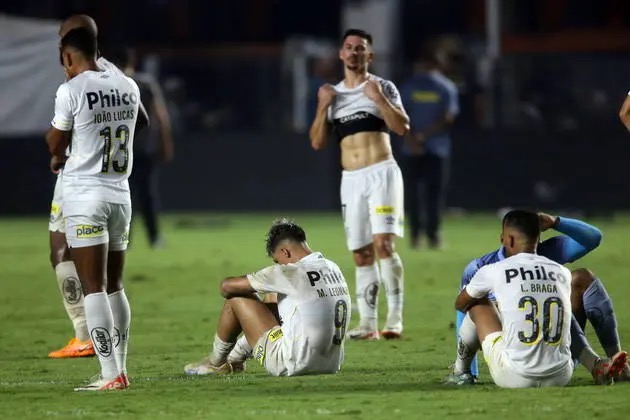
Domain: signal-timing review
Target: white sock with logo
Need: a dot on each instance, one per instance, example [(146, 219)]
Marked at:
[(100, 323), (72, 294), (367, 278), (467, 346), (121, 313), (392, 275), (220, 351)]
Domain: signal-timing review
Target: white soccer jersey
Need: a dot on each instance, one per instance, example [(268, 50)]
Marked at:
[(101, 109), (534, 298), (314, 306), (353, 112)]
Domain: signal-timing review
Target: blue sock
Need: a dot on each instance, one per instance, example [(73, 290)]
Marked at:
[(474, 369), (600, 313)]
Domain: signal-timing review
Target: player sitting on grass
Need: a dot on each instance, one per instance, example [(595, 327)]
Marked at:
[(589, 300), (313, 304), (526, 343)]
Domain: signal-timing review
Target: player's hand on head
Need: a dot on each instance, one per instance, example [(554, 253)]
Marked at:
[(373, 90), (56, 163), (547, 221), (326, 94)]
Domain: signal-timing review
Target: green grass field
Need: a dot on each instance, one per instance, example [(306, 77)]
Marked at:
[(175, 303)]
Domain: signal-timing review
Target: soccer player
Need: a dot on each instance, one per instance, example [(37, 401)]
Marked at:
[(96, 112), (527, 342), (361, 110), (313, 306), (589, 300), (67, 278)]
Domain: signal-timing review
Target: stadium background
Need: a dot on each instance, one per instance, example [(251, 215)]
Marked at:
[(539, 97)]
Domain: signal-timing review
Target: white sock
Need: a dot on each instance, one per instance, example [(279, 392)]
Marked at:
[(121, 313), (467, 346), (72, 294), (367, 278), (392, 276), (588, 358), (100, 323), (241, 351), (220, 351)]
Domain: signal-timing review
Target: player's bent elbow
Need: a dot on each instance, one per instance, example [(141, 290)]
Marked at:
[(318, 144)]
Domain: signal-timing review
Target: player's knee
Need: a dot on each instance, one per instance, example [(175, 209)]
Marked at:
[(364, 256), (384, 246), (581, 279)]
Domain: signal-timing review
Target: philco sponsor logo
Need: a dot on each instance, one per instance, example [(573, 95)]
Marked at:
[(87, 231), (102, 341)]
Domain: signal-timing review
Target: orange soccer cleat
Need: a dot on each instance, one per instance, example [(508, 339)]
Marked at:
[(74, 348)]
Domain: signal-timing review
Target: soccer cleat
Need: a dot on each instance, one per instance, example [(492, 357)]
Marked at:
[(74, 348), (205, 367), (606, 371), (463, 379), (390, 335), (102, 384), (125, 379), (625, 374), (362, 333)]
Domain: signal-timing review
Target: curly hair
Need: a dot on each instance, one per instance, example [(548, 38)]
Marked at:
[(283, 229)]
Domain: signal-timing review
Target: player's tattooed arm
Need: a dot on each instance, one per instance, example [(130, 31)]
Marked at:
[(464, 301), (236, 286), (58, 141)]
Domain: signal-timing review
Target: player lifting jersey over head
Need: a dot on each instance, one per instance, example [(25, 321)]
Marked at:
[(361, 110)]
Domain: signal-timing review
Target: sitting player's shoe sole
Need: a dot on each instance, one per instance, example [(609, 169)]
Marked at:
[(205, 367), (101, 384), (74, 348), (607, 370), (463, 379)]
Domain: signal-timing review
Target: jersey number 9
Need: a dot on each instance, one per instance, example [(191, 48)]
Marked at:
[(116, 158)]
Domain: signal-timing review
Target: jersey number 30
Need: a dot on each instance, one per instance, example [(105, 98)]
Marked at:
[(116, 158), (551, 334)]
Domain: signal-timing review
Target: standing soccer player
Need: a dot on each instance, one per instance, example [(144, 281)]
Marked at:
[(362, 109), (96, 112)]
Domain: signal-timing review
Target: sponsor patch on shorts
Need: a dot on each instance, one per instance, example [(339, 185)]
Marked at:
[(89, 231), (382, 210), (259, 354), (275, 335)]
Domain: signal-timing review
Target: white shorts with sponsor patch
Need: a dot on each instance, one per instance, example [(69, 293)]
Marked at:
[(269, 352), (55, 224), (372, 201), (90, 223), (506, 377)]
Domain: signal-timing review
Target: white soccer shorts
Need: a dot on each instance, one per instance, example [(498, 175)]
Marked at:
[(55, 223), (504, 375), (269, 352), (372, 202), (90, 223)]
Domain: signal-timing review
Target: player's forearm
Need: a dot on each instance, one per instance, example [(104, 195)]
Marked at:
[(395, 118), (318, 133), (624, 113), (586, 235)]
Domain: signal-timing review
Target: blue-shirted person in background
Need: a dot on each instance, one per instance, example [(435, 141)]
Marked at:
[(431, 100), (589, 301)]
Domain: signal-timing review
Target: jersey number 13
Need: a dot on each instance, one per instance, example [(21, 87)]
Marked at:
[(115, 157)]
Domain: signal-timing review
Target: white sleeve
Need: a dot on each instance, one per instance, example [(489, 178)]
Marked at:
[(273, 279), (481, 284), (63, 119), (391, 93)]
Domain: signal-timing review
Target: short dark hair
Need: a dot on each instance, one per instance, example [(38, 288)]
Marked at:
[(122, 57), (82, 39), (525, 221), (357, 32), (283, 229)]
